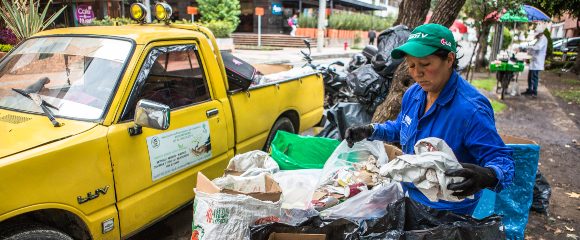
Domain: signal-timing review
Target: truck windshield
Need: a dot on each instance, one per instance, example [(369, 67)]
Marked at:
[(76, 75)]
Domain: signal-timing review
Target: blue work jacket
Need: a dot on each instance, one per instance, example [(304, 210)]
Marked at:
[(462, 117)]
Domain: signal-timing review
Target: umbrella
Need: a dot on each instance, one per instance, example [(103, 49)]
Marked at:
[(535, 14), (458, 26), (525, 13)]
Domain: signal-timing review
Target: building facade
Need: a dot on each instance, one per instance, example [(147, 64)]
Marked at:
[(276, 12)]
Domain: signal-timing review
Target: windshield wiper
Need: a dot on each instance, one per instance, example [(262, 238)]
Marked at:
[(41, 103)]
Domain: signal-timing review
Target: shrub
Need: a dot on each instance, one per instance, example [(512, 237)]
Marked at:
[(507, 38), (25, 19), (358, 21), (550, 48), (107, 21), (220, 29), (357, 39), (305, 21), (8, 37), (220, 10), (5, 47)]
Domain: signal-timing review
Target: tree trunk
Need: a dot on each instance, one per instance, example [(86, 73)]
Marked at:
[(412, 13), (446, 12), (480, 59)]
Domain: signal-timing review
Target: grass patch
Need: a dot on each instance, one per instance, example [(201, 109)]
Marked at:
[(497, 106), (262, 48), (569, 95), (487, 84), (571, 81), (357, 47)]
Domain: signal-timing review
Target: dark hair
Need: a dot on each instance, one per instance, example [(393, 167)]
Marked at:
[(442, 53)]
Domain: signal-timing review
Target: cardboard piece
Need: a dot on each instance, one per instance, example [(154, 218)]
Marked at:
[(293, 236), (272, 68), (273, 190), (392, 151)]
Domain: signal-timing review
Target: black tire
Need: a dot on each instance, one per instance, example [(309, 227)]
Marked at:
[(33, 232), (284, 124)]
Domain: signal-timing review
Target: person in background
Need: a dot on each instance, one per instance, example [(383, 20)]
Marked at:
[(538, 54), (293, 23), (442, 104), (372, 35)]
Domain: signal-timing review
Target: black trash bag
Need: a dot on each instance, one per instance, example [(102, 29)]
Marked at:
[(387, 41), (356, 61), (369, 88), (405, 219), (342, 116), (542, 193)]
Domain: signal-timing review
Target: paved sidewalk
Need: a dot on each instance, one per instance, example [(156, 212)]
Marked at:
[(291, 55)]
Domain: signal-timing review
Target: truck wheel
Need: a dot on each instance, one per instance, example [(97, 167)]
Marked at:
[(32, 232), (283, 124)]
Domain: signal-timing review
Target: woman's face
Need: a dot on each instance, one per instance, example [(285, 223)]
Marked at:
[(431, 72)]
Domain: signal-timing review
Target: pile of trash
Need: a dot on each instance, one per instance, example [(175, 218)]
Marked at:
[(355, 187)]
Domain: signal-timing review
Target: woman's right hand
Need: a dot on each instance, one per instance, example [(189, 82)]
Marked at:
[(358, 133)]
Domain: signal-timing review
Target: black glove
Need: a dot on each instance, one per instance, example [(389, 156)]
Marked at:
[(358, 133), (476, 178)]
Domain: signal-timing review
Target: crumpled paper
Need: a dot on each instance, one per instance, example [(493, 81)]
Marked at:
[(426, 169), (253, 163)]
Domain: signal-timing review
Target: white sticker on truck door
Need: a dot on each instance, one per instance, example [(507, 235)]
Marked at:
[(172, 151)]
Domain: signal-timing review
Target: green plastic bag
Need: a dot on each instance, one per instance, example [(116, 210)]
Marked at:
[(293, 151)]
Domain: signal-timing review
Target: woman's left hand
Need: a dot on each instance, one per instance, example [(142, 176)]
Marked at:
[(476, 178)]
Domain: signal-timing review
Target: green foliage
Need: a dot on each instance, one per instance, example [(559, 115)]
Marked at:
[(220, 29), (550, 48), (220, 10), (107, 21), (305, 21), (5, 47), (24, 19), (507, 38), (358, 21), (558, 7)]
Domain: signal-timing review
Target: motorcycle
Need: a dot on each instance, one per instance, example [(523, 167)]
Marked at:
[(336, 88)]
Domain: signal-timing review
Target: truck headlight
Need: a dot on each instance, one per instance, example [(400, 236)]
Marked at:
[(138, 12), (162, 11)]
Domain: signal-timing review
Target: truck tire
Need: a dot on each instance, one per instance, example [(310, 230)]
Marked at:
[(284, 124), (32, 232)]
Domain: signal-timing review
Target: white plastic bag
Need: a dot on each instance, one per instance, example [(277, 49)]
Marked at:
[(367, 204), (426, 169), (253, 163), (225, 216), (242, 184), (297, 187)]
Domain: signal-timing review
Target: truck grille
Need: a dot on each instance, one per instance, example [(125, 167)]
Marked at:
[(14, 119)]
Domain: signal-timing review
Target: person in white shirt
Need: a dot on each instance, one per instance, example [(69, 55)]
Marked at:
[(538, 54)]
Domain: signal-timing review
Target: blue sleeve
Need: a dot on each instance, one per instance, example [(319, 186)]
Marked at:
[(488, 149), (388, 131)]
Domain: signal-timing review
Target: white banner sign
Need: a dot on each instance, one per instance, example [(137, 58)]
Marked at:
[(178, 149)]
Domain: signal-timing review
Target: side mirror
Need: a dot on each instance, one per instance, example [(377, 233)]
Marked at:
[(307, 43), (152, 114)]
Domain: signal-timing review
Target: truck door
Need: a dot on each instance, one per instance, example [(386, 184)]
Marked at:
[(155, 170)]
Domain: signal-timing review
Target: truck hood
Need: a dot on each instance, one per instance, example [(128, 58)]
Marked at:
[(22, 131)]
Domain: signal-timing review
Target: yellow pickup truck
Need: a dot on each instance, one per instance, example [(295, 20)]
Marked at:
[(104, 128)]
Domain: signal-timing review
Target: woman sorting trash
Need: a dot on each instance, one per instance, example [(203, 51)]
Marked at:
[(442, 104)]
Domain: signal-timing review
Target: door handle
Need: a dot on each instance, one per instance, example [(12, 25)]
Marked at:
[(211, 112)]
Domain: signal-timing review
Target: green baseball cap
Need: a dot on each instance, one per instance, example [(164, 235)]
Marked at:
[(425, 40)]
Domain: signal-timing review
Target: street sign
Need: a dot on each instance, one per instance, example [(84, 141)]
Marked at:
[(276, 9), (259, 11), (191, 10)]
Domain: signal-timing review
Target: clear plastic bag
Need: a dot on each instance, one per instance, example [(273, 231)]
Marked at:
[(253, 163), (367, 204), (343, 159)]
